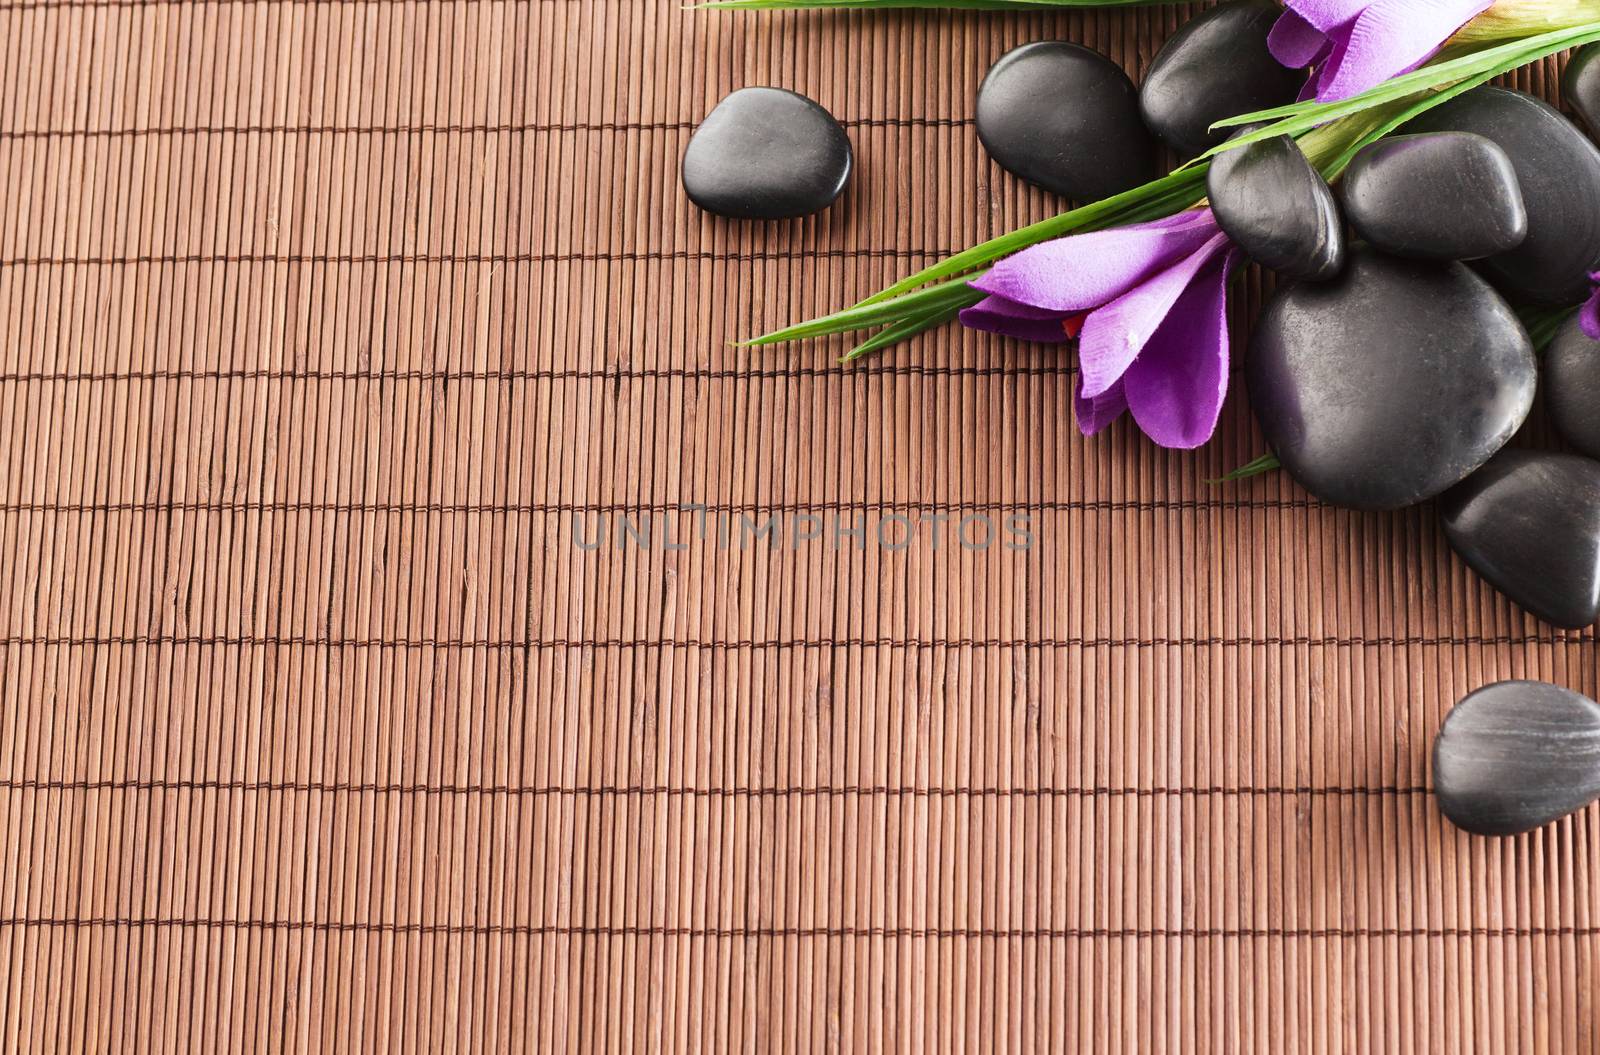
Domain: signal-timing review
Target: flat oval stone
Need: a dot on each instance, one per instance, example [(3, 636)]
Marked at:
[(1580, 85), (1515, 756), (1559, 172), (766, 154), (1436, 196), (1216, 65), (1271, 201), (1391, 383), (1571, 384), (1066, 118), (1529, 523)]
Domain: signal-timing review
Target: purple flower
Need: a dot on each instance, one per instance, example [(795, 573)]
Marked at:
[(1359, 44), (1148, 304), (1589, 314)]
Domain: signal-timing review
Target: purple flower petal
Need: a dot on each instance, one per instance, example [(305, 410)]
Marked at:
[(1113, 336), (1296, 43), (1083, 271), (1002, 316), (1177, 385), (1329, 16), (1589, 314), (1389, 38), (1095, 413)]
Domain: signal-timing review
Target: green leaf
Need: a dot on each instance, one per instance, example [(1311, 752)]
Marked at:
[(902, 331), (1264, 464), (948, 295), (1543, 323), (1412, 91), (1162, 197)]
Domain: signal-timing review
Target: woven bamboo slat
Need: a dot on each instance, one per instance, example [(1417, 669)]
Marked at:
[(328, 328)]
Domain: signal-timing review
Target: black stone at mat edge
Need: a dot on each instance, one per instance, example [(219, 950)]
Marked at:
[(1066, 118), (1216, 65), (1558, 169), (1515, 756), (1580, 85), (1391, 383), (1435, 196), (1571, 384), (1529, 523), (1271, 201), (766, 154)]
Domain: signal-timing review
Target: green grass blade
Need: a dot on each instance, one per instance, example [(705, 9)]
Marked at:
[(1183, 186), (1452, 76), (953, 295), (1264, 464), (912, 326)]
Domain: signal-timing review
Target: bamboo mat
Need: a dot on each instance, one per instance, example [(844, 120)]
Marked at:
[(329, 330)]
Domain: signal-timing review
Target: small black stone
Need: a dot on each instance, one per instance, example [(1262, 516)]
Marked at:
[(1581, 85), (1515, 756), (1529, 523), (1216, 65), (1438, 196), (1391, 383), (1271, 201), (1066, 118), (1571, 384), (766, 154), (1559, 172)]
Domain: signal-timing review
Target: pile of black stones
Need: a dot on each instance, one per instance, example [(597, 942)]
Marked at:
[(1389, 368)]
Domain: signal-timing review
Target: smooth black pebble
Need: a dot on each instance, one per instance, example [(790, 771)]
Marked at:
[(1436, 196), (1559, 172), (1529, 523), (1391, 383), (1271, 201), (1066, 118), (1580, 86), (1571, 384), (1515, 756), (1216, 65), (766, 154)]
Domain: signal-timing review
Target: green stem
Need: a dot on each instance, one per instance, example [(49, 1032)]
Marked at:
[(1264, 464)]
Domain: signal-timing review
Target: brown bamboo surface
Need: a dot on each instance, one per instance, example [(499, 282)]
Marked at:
[(322, 322)]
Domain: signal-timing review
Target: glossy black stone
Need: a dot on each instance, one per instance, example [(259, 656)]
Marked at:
[(1559, 172), (1216, 65), (1391, 383), (1515, 756), (1278, 208), (1066, 118), (1580, 86), (1438, 196), (1571, 384), (1529, 523), (766, 154)]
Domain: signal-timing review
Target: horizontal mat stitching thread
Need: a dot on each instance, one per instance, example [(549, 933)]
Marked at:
[(624, 257), (879, 791), (612, 374), (440, 129), (541, 508), (580, 643), (1031, 933)]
